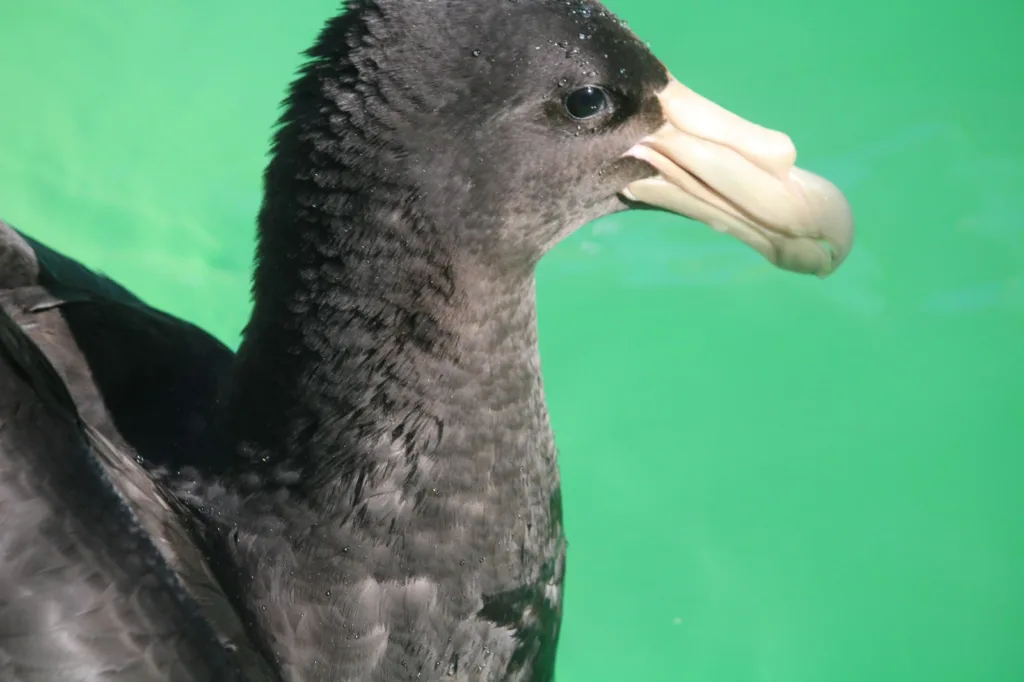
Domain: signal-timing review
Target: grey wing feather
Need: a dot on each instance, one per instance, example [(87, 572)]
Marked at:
[(84, 593), (134, 372), (139, 380)]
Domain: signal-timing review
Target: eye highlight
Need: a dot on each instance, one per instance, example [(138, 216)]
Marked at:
[(587, 102)]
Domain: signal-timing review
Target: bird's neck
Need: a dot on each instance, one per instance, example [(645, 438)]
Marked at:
[(383, 374), (391, 416), (386, 421)]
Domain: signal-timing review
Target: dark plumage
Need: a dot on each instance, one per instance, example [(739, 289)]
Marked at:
[(369, 490), (133, 371), (99, 576), (84, 591)]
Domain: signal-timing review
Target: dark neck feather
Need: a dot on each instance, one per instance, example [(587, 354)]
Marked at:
[(387, 405)]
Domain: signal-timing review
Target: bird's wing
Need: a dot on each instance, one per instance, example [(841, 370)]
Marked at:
[(134, 372), (85, 594), (142, 383)]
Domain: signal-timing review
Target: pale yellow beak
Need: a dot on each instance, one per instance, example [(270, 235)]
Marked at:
[(739, 178)]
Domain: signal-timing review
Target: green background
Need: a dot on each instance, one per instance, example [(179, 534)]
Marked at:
[(767, 477)]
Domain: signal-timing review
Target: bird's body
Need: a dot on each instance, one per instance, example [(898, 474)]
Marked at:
[(369, 490)]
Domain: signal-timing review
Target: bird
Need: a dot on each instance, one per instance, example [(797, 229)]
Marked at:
[(368, 490)]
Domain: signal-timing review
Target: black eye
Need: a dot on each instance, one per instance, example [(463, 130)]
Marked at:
[(586, 102)]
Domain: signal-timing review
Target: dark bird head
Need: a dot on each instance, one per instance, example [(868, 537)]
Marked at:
[(487, 130)]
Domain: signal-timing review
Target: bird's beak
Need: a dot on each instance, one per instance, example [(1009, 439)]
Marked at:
[(739, 178)]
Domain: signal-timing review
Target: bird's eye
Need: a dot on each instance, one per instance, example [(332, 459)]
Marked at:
[(586, 102)]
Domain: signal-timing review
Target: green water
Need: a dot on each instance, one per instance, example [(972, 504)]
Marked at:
[(767, 477)]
